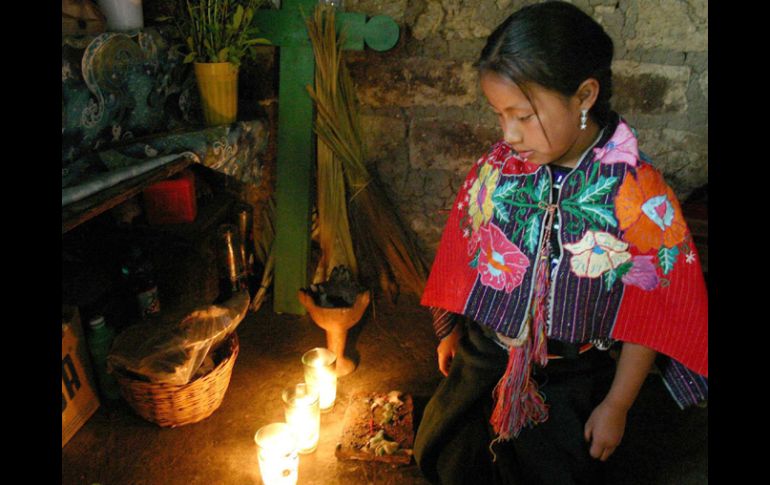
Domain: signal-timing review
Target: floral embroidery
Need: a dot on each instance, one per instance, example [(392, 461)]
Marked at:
[(501, 263), (596, 253), (690, 258), (622, 148), (648, 212), (642, 273), (480, 207), (586, 205)]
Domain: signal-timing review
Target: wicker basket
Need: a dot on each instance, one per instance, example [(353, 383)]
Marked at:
[(171, 405)]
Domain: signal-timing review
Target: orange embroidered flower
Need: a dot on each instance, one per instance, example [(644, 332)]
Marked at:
[(648, 211)]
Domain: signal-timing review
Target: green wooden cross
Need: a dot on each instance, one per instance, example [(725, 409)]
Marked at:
[(286, 28)]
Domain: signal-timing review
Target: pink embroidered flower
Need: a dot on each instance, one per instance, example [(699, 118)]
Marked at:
[(501, 264), (596, 253), (642, 273), (622, 148)]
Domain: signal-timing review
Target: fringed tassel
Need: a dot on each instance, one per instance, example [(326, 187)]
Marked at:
[(518, 402)]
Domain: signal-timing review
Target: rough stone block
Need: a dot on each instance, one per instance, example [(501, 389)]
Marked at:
[(449, 145), (429, 21), (612, 19), (383, 135), (681, 156), (392, 8), (671, 25), (408, 82), (649, 88), (703, 80), (453, 19)]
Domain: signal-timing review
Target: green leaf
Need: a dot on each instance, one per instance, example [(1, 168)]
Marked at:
[(223, 54), (532, 233), (541, 192), (505, 191), (596, 191), (598, 214), (189, 58), (610, 277), (501, 211), (667, 258), (238, 17), (475, 262), (258, 41), (624, 268)]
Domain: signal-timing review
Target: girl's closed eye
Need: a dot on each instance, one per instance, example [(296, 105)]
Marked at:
[(526, 117)]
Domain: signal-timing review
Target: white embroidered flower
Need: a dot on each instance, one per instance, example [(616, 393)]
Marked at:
[(460, 206), (596, 253), (690, 257)]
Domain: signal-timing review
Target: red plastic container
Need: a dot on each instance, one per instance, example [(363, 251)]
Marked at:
[(171, 201)]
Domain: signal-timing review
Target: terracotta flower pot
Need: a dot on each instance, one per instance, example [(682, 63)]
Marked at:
[(336, 322)]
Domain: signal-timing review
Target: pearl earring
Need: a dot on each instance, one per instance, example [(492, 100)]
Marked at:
[(583, 118)]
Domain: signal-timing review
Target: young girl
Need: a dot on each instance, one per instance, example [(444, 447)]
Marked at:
[(564, 242)]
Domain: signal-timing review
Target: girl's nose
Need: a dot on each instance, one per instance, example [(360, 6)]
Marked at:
[(511, 134)]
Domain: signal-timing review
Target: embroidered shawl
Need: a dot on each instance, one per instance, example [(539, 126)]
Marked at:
[(629, 269)]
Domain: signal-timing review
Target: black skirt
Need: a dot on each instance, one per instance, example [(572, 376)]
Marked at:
[(453, 439)]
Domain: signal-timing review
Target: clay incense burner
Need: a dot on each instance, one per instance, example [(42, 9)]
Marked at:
[(336, 321)]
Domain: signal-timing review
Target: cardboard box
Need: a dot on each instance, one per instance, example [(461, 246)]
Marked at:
[(79, 400)]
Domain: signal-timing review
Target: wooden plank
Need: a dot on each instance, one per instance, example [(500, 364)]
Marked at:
[(83, 210)]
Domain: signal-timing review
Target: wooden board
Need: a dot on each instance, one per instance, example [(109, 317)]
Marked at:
[(361, 423)]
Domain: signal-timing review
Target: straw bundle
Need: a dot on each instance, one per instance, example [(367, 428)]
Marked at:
[(378, 232)]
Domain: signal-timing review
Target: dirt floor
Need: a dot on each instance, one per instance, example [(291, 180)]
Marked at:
[(396, 348)]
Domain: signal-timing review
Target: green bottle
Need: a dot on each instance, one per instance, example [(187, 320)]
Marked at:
[(99, 343)]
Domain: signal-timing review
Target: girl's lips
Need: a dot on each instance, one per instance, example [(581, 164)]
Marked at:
[(526, 154)]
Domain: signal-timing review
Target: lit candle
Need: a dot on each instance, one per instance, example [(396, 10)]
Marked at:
[(303, 414), (277, 454), (321, 374)]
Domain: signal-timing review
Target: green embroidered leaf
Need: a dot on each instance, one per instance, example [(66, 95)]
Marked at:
[(609, 279), (667, 258), (598, 214), (499, 198), (624, 268), (475, 262), (506, 191), (501, 211), (541, 192), (595, 192), (532, 233)]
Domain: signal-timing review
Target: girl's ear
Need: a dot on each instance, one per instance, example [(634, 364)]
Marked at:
[(587, 93)]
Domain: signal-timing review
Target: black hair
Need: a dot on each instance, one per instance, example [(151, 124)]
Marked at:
[(556, 45)]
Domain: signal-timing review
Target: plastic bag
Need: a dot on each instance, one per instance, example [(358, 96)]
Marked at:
[(172, 353)]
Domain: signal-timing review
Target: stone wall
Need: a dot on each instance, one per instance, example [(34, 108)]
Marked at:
[(426, 119)]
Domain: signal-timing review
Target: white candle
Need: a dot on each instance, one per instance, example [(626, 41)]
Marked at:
[(277, 454), (321, 374), (303, 414)]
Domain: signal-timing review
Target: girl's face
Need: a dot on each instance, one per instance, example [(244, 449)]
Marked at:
[(560, 118)]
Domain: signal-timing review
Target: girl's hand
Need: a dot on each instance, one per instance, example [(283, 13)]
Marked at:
[(447, 348), (604, 429)]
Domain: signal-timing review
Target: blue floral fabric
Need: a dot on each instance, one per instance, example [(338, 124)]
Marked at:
[(129, 98)]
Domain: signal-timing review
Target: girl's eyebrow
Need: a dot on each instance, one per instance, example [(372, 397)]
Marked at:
[(520, 107), (513, 108)]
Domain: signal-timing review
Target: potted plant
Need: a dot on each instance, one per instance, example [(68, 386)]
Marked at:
[(218, 34)]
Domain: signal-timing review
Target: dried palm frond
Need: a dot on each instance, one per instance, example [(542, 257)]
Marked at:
[(265, 253), (376, 227)]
